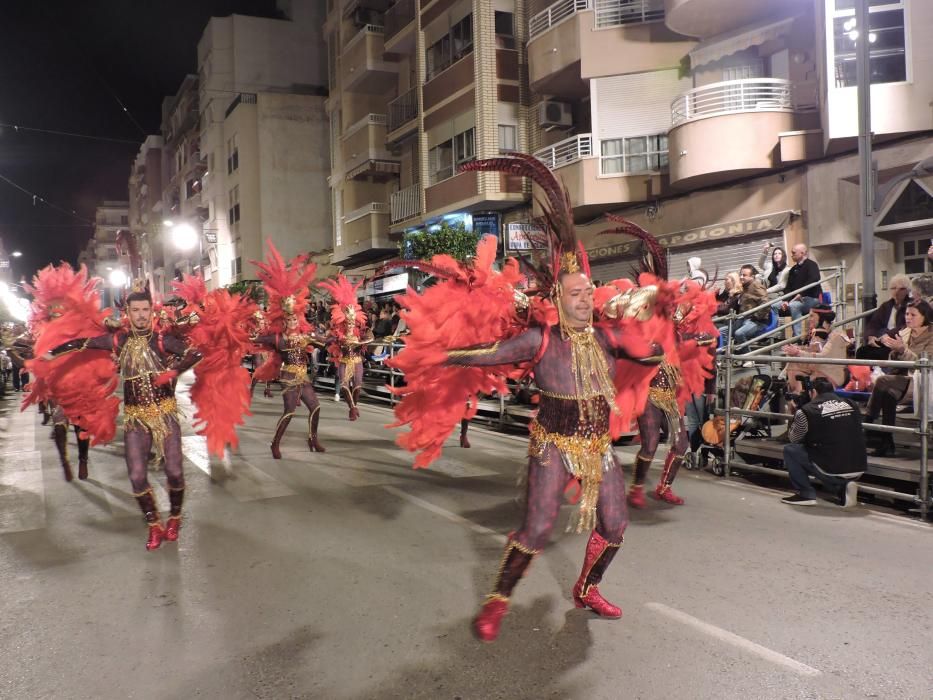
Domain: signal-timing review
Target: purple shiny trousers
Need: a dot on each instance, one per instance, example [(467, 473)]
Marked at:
[(137, 443), (547, 479)]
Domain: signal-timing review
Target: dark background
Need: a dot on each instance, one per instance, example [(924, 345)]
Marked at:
[(69, 66)]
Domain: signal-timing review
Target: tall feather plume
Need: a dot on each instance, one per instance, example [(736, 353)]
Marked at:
[(657, 258), (282, 280)]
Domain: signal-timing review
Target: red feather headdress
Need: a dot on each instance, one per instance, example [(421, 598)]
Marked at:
[(345, 313), (287, 287)]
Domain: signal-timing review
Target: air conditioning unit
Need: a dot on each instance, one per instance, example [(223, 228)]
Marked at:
[(554, 114)]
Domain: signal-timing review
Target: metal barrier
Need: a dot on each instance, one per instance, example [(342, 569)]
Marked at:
[(923, 498)]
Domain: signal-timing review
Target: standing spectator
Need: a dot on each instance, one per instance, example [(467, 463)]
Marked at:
[(892, 389), (695, 272), (752, 295), (921, 288), (6, 367), (774, 269), (826, 442), (804, 271), (887, 320)]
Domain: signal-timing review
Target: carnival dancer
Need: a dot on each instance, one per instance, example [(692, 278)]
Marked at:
[(347, 339), (593, 375), (258, 358), (290, 340)]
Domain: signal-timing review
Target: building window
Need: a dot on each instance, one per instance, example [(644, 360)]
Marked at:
[(124, 220), (633, 155), (451, 47), (443, 158), (236, 267), (233, 211), (233, 154), (508, 138), (886, 37), (505, 30), (914, 251)]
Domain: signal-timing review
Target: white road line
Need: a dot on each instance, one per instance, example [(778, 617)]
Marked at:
[(235, 475), (900, 520), (444, 513), (735, 640)]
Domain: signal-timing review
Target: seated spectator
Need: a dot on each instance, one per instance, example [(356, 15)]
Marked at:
[(751, 295), (895, 388), (886, 321), (825, 342), (774, 269), (728, 296), (826, 442), (804, 272)]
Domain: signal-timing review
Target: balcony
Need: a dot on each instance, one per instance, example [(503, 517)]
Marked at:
[(732, 129), (707, 18), (362, 64), (403, 116), (567, 151), (455, 192), (364, 235), (406, 204), (400, 27), (455, 77), (364, 151), (574, 40)]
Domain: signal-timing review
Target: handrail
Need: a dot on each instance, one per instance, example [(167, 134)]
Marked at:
[(732, 96), (772, 302), (554, 14), (566, 151), (618, 13)]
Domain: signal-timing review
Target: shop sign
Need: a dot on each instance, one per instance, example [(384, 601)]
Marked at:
[(525, 237), (758, 224)]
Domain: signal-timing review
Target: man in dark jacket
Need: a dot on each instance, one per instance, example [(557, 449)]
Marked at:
[(826, 442), (887, 320), (804, 272), (752, 296)]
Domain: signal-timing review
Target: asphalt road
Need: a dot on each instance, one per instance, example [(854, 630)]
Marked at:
[(349, 575)]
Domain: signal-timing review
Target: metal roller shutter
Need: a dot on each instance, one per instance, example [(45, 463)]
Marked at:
[(727, 256)]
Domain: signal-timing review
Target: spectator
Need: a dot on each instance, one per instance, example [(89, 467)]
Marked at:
[(752, 294), (921, 287), (892, 389), (825, 342), (695, 272), (774, 269), (728, 296), (887, 320), (827, 442), (803, 272)]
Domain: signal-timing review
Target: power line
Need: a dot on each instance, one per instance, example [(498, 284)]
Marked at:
[(39, 198), (18, 127)]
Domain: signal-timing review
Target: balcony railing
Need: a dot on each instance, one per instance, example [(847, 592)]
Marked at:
[(403, 109), (617, 13), (406, 203), (399, 16), (567, 151), (366, 210), (558, 12), (731, 96), (362, 34)]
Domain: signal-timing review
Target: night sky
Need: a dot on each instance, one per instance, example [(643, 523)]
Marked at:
[(68, 66)]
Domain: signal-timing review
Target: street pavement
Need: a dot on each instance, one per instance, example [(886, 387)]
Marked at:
[(350, 575)]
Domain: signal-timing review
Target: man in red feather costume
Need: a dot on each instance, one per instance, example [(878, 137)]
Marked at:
[(347, 340), (149, 363), (593, 374), (290, 340)]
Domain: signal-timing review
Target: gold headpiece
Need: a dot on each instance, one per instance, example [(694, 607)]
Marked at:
[(288, 304), (569, 262), (637, 303), (140, 285)]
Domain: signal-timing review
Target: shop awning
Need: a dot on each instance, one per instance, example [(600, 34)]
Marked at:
[(728, 44)]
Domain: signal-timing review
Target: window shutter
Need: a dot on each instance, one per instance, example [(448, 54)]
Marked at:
[(637, 104)]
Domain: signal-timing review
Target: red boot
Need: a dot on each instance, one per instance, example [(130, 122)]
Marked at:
[(176, 497), (664, 493), (60, 433), (147, 505), (515, 560), (279, 432), (636, 496), (172, 526), (84, 445), (464, 442), (489, 620), (599, 554), (313, 443)]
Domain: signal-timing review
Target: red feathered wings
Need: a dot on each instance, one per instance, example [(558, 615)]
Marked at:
[(67, 306), (472, 304)]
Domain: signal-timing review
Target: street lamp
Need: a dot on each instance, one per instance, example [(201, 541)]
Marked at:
[(17, 254), (117, 278), (184, 237)]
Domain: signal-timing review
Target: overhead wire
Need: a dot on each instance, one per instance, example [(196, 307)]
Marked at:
[(39, 198), (56, 132)]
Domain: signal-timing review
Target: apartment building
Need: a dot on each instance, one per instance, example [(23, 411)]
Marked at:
[(264, 134), (720, 126), (145, 203), (101, 255), (180, 204), (418, 87)]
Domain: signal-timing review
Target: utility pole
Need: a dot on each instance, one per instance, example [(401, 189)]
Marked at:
[(866, 167)]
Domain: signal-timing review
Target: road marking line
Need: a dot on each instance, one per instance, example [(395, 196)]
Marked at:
[(735, 640), (444, 513), (900, 520)]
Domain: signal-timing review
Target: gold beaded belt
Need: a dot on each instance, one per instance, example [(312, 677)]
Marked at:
[(151, 417), (351, 360), (299, 374), (584, 456)]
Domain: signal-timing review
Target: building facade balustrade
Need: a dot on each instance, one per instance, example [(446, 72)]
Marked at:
[(565, 152), (406, 203), (733, 96), (403, 109)]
